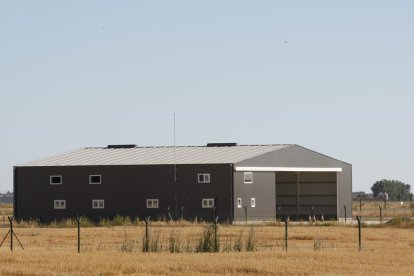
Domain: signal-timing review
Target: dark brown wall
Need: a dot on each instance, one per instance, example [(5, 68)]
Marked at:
[(124, 189)]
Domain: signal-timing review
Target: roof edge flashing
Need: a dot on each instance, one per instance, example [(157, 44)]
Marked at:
[(286, 169)]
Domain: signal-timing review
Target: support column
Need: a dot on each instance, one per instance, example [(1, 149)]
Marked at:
[(297, 194), (338, 209), (276, 209)]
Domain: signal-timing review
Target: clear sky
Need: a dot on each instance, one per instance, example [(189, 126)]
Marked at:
[(333, 76)]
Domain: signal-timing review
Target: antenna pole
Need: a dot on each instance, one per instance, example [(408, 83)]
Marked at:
[(175, 175), (175, 161)]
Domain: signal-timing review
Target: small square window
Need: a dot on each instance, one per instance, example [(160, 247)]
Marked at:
[(98, 204), (207, 203), (248, 177), (253, 202), (95, 179), (203, 178), (152, 203), (59, 204), (239, 202), (55, 180)]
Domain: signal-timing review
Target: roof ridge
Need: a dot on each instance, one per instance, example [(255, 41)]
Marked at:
[(191, 146)]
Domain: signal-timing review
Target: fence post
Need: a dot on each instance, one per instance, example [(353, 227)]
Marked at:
[(313, 211), (345, 212), (286, 233), (245, 213), (176, 207), (146, 245), (11, 233), (359, 232), (169, 213), (216, 248), (279, 214), (360, 203), (182, 213), (215, 207), (411, 203), (78, 219), (214, 213), (380, 209)]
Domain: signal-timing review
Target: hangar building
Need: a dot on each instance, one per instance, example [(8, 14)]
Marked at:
[(223, 179)]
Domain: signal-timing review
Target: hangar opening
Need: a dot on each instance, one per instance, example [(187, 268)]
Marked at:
[(303, 194)]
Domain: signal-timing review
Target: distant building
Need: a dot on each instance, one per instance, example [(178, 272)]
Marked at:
[(222, 179), (357, 195), (6, 198), (382, 196)]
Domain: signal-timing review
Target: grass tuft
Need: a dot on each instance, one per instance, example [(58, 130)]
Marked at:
[(209, 240), (251, 240)]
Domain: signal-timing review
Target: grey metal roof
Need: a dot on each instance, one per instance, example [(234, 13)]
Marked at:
[(155, 155)]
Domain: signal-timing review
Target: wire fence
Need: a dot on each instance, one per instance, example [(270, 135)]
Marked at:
[(189, 237), (126, 235)]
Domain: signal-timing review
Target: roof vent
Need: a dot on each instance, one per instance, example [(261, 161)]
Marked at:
[(128, 146), (221, 145)]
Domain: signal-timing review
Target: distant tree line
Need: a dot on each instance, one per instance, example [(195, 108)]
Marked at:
[(395, 189)]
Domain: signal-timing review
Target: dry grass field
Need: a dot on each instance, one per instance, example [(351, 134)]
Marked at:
[(6, 209), (114, 250), (371, 210)]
